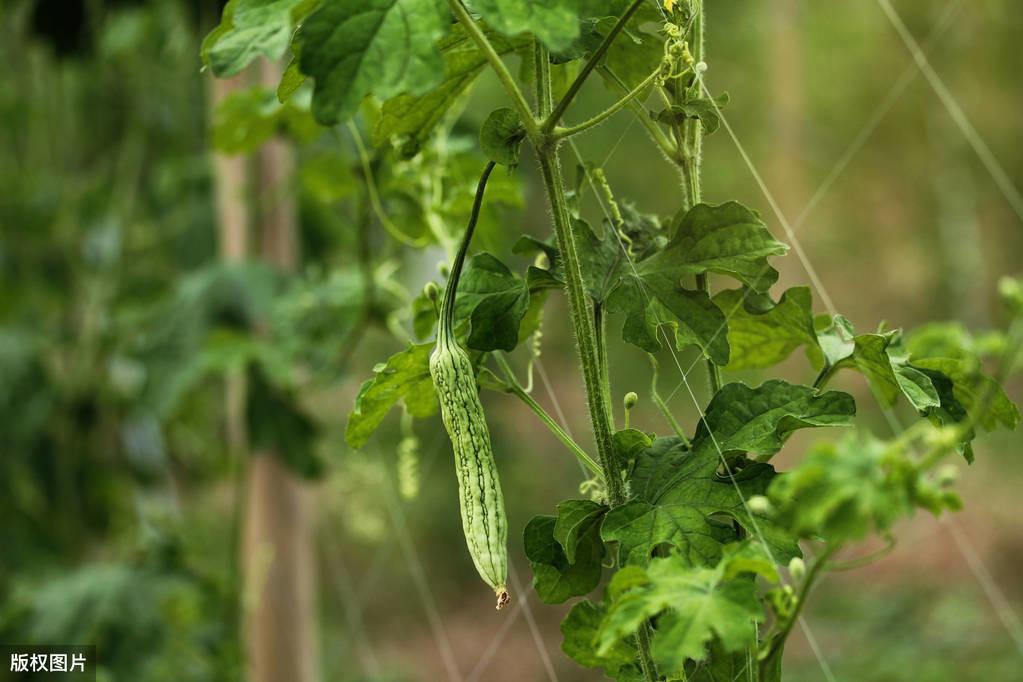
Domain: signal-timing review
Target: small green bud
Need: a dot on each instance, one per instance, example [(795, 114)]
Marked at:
[(947, 475), (630, 400), (797, 569), (444, 269), (758, 504), (431, 291)]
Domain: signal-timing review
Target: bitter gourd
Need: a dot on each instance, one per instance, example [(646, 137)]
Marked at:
[(479, 489)]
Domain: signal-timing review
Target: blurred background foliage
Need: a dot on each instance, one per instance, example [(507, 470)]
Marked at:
[(119, 497)]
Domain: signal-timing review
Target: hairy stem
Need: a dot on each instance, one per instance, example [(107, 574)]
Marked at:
[(692, 158), (597, 390), (585, 334), (600, 327)]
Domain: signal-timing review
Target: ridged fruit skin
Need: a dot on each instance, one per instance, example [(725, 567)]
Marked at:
[(479, 488)]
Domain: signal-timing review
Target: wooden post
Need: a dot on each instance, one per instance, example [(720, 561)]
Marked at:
[(280, 614)]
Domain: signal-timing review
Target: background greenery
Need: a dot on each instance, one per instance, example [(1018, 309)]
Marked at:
[(117, 324)]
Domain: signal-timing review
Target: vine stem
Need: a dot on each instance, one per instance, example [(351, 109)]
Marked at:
[(515, 388), (692, 158), (569, 131), (658, 137), (498, 65), (586, 341), (582, 313), (804, 591)]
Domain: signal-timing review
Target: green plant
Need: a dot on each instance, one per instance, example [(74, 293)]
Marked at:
[(703, 537)]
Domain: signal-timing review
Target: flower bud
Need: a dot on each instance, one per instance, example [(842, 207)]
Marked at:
[(431, 291), (758, 504), (797, 569), (630, 400)]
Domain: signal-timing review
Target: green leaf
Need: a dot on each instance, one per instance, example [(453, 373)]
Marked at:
[(758, 421), (678, 492), (415, 116), (728, 238), (762, 339), (968, 386), (636, 53), (704, 110), (406, 377), (494, 300), (576, 519), (600, 259), (843, 491), (292, 79), (698, 605), (835, 338), (888, 377), (579, 630), (555, 578), (501, 137), (250, 29), (376, 47), (693, 315), (556, 23)]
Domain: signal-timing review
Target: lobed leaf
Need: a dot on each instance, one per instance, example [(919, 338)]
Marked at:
[(728, 238), (251, 29), (764, 338), (758, 421), (404, 377), (414, 116), (555, 578)]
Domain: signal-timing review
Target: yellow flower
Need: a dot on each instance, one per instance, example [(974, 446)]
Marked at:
[(669, 5)]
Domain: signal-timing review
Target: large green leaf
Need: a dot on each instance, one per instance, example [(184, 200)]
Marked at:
[(728, 238), (653, 300), (415, 116), (696, 605), (250, 29), (677, 493), (555, 578), (580, 629), (373, 47), (765, 338), (405, 377), (758, 421), (494, 300), (842, 491), (969, 386), (556, 22)]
